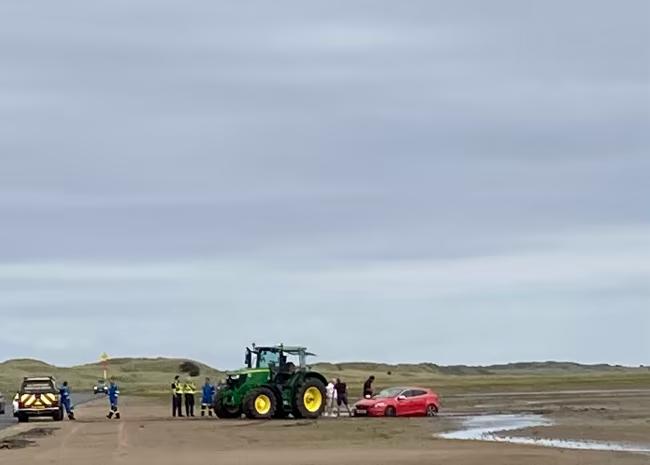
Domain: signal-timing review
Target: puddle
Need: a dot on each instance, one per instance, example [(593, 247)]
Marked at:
[(491, 428), (15, 443), (22, 440)]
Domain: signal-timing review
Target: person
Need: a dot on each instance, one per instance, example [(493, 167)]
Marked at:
[(189, 389), (66, 401), (341, 397), (367, 387), (207, 396), (331, 397), (113, 394), (177, 396)]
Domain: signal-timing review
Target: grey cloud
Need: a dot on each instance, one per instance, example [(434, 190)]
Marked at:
[(352, 141)]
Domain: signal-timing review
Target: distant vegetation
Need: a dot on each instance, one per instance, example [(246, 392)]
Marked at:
[(153, 376), (148, 376)]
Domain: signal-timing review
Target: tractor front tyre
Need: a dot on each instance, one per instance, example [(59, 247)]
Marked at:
[(260, 404), (223, 410), (309, 401)]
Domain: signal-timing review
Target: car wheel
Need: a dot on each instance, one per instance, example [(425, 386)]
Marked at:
[(390, 411), (432, 410)]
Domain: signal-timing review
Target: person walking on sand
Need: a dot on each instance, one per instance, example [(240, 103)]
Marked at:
[(367, 387), (113, 396), (177, 397), (66, 400), (331, 397), (341, 397)]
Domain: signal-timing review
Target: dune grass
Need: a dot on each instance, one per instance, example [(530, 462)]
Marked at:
[(539, 377), (152, 377), (135, 375)]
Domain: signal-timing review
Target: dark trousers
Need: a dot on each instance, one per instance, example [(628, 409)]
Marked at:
[(114, 410), (189, 405), (177, 404)]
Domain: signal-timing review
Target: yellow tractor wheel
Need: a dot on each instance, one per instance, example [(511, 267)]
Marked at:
[(260, 403), (309, 401)]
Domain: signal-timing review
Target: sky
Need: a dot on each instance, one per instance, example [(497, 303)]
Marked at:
[(439, 181)]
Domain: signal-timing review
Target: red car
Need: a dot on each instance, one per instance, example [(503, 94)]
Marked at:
[(400, 401)]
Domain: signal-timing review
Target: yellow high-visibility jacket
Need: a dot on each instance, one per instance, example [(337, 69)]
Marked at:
[(177, 387), (189, 388)]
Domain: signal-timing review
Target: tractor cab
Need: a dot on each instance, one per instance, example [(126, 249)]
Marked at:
[(280, 357)]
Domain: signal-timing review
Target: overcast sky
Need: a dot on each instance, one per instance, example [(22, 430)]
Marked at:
[(452, 182)]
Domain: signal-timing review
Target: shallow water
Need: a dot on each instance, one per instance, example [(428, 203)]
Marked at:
[(486, 427)]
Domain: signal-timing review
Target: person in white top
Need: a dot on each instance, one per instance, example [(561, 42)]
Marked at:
[(331, 398)]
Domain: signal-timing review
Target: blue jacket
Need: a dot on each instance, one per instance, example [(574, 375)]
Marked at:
[(113, 393), (208, 393), (64, 392)]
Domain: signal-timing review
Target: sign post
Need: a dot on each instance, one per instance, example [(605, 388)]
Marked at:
[(104, 358)]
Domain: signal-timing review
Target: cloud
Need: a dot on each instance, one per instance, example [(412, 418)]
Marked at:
[(479, 167)]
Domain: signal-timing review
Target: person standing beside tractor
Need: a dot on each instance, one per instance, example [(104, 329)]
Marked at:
[(177, 396), (341, 397), (367, 387), (189, 389), (207, 396), (113, 396), (66, 401), (331, 397)]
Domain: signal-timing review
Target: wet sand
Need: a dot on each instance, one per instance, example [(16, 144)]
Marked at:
[(147, 434)]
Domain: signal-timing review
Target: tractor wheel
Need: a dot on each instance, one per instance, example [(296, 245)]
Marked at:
[(260, 404), (309, 401), (222, 410), (390, 411)]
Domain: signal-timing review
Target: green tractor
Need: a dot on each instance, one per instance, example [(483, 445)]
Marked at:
[(276, 382)]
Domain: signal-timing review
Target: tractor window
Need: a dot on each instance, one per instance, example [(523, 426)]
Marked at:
[(264, 359)]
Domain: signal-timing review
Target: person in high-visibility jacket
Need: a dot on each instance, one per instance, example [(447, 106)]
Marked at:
[(113, 394), (189, 389), (66, 401), (177, 396), (207, 396)]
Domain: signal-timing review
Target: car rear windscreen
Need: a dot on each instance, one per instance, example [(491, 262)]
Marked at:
[(37, 386)]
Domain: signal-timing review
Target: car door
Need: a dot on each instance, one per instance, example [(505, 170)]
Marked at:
[(405, 405), (418, 401)]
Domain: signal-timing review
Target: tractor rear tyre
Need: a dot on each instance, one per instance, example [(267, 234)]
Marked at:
[(260, 404), (309, 401), (224, 411)]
